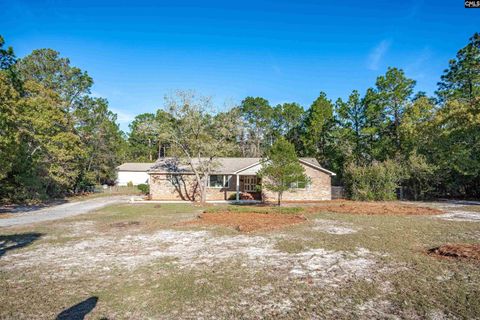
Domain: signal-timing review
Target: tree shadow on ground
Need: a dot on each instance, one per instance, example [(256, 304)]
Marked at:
[(17, 241), (78, 311)]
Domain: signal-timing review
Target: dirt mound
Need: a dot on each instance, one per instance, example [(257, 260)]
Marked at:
[(125, 224), (373, 208), (246, 221), (457, 251)]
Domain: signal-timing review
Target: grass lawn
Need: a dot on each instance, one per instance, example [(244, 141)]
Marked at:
[(137, 261)]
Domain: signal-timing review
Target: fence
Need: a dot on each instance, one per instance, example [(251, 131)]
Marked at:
[(338, 192)]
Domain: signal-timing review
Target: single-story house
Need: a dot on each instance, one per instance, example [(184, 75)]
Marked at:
[(234, 179), (134, 172)]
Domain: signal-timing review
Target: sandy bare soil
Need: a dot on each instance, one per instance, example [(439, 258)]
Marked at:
[(158, 261)]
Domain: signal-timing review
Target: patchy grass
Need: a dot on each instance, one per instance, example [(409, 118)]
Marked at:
[(374, 208), (140, 263), (254, 209)]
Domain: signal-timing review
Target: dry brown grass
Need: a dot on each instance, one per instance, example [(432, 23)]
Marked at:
[(458, 251), (246, 221), (372, 208)]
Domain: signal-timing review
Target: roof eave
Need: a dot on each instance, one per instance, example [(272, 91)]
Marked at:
[(317, 167)]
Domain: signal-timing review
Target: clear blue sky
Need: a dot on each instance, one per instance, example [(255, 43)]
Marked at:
[(137, 51)]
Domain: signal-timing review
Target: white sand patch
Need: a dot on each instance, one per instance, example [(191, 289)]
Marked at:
[(455, 210), (189, 250), (333, 227), (461, 216)]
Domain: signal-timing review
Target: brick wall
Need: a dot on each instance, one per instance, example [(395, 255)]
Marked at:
[(320, 188), (184, 188)]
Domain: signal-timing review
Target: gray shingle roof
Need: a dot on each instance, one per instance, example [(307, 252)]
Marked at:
[(135, 166), (223, 165)]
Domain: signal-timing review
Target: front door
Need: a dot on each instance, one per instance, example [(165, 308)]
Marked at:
[(250, 183)]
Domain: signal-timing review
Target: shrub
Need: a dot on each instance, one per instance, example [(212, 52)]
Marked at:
[(130, 184), (144, 188), (242, 196), (420, 177), (377, 181)]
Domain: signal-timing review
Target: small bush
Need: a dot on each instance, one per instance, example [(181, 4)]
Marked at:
[(130, 184), (377, 181), (242, 196), (144, 188)]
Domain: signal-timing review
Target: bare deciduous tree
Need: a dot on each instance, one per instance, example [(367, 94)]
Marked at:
[(197, 135)]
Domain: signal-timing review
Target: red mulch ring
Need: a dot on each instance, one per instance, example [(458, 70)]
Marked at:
[(373, 208), (246, 222), (457, 251)]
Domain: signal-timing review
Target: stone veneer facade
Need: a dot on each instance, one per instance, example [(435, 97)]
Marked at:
[(182, 187)]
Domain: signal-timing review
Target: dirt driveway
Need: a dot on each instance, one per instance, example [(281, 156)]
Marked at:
[(61, 211)]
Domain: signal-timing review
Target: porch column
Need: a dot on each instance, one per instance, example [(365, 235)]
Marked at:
[(238, 187)]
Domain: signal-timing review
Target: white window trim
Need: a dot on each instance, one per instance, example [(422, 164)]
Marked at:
[(226, 181), (307, 186)]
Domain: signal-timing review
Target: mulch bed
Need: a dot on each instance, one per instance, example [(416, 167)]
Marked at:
[(373, 208), (246, 221), (457, 251)]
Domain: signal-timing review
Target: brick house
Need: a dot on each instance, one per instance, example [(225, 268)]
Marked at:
[(234, 179)]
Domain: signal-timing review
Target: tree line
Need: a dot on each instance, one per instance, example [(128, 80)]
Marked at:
[(57, 138)]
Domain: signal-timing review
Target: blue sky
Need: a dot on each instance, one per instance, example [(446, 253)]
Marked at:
[(138, 51)]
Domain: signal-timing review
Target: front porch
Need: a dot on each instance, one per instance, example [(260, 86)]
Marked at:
[(248, 187), (234, 187)]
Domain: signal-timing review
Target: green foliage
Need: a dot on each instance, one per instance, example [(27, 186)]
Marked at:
[(455, 148), (317, 138), (45, 66), (257, 114), (143, 137), (54, 138), (419, 177), (7, 56), (102, 141), (57, 139), (377, 181), (144, 188), (130, 184), (461, 81), (392, 94), (281, 168)]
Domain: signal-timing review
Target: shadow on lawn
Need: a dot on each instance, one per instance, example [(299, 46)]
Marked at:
[(17, 241), (78, 311)]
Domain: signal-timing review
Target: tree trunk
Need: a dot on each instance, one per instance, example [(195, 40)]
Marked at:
[(279, 199), (203, 191), (150, 149)]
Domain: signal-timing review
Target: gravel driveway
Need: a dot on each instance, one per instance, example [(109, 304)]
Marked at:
[(61, 211)]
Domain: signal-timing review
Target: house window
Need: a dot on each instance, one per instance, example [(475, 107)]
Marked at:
[(298, 185), (219, 181)]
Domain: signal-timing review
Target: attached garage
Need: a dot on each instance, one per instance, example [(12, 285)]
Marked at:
[(135, 172)]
